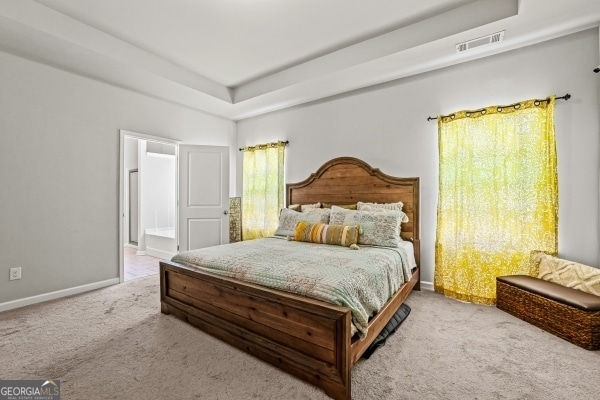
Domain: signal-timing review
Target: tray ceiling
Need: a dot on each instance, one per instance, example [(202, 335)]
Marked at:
[(240, 58)]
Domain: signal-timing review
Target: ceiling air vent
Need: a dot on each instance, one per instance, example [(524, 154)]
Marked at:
[(482, 41)]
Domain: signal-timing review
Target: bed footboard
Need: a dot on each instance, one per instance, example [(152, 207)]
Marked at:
[(307, 338)]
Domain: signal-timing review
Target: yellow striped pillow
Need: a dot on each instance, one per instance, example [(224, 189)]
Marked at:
[(340, 235)]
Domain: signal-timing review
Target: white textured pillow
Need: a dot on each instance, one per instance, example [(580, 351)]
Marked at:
[(304, 207), (308, 207), (378, 228), (360, 206), (289, 218), (386, 206)]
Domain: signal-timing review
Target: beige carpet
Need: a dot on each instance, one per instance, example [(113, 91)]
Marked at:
[(114, 343)]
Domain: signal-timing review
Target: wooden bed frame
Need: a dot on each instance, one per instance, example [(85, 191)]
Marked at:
[(308, 338)]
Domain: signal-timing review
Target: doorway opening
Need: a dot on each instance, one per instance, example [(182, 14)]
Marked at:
[(148, 226)]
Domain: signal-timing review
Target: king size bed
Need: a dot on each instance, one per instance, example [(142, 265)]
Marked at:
[(291, 321)]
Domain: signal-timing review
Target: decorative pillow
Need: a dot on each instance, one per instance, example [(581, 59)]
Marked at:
[(327, 234), (308, 207), (534, 261), (386, 206), (381, 206), (378, 228), (568, 273), (304, 207), (289, 218), (346, 206)]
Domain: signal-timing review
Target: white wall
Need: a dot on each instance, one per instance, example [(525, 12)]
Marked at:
[(59, 171), (387, 127)]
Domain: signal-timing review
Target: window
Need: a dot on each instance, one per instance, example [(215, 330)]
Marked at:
[(262, 195), (498, 196)]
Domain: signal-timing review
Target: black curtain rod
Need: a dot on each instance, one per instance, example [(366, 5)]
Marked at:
[(286, 143), (565, 97)]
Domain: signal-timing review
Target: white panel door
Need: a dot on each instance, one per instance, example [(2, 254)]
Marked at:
[(203, 196)]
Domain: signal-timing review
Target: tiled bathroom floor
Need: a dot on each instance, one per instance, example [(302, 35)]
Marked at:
[(138, 266)]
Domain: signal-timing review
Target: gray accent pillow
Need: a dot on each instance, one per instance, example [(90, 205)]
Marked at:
[(289, 218), (378, 228)]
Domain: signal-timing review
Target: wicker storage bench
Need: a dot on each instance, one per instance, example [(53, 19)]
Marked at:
[(565, 312)]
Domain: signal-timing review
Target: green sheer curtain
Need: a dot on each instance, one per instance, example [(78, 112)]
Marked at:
[(498, 196), (262, 196)]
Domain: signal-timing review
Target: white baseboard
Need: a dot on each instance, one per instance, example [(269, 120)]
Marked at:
[(159, 253), (133, 246), (9, 305), (427, 286)]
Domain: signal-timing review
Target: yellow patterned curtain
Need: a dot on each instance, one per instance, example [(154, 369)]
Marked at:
[(262, 196), (498, 196)]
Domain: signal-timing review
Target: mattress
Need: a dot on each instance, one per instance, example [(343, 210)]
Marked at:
[(362, 280)]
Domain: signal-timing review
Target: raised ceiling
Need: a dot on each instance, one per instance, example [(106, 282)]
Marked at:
[(240, 58), (236, 41)]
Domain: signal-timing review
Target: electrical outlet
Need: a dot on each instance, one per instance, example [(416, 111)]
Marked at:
[(15, 273)]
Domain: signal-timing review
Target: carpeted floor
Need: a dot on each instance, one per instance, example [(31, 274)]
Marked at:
[(114, 343)]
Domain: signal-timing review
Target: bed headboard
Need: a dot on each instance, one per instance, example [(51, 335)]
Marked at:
[(347, 180)]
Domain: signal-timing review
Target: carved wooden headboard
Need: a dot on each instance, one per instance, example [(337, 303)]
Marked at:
[(347, 180)]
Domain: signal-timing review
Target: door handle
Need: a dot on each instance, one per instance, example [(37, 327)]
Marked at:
[(225, 212)]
